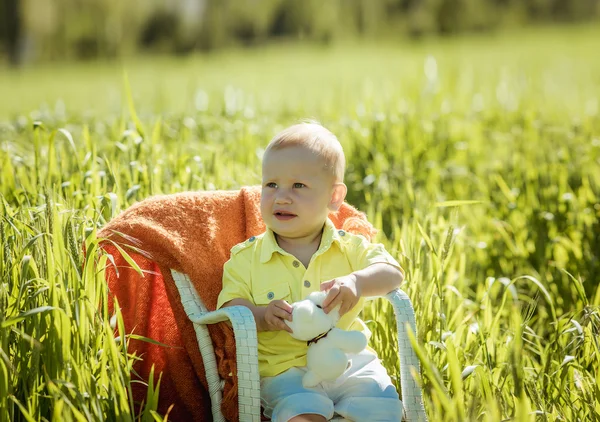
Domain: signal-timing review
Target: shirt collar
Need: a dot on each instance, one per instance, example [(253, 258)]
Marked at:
[(269, 245)]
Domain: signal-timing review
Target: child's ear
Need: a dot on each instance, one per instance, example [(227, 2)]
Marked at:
[(337, 196)]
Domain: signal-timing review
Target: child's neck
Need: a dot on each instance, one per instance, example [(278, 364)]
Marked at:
[(302, 248)]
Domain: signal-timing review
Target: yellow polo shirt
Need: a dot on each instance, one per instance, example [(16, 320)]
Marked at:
[(260, 271)]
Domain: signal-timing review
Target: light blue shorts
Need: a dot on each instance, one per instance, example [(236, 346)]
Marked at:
[(363, 393)]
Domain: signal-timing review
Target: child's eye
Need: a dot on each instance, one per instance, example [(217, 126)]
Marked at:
[(299, 185), (271, 185)]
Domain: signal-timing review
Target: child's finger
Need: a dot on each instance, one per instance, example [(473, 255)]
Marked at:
[(284, 326), (271, 321), (346, 306), (282, 314), (335, 290), (282, 304), (327, 285), (336, 301)]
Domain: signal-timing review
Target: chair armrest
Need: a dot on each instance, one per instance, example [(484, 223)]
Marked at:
[(244, 329), (412, 399)]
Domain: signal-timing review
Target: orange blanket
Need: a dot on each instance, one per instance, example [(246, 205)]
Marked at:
[(192, 233)]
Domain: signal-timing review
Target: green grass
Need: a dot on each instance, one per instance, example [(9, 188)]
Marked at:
[(504, 284)]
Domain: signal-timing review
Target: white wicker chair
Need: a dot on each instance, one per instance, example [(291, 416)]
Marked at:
[(244, 330)]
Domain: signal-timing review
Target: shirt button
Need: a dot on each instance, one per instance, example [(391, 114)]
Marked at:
[(270, 295), (252, 239), (342, 233), (306, 283), (296, 264)]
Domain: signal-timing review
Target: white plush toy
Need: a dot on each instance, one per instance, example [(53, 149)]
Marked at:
[(327, 345)]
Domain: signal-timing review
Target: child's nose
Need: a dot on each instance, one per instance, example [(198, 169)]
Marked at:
[(283, 198)]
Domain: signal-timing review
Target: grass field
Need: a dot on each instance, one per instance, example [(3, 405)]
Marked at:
[(478, 158)]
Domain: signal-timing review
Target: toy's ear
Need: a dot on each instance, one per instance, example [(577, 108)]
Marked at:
[(303, 312), (317, 297), (302, 323), (305, 316)]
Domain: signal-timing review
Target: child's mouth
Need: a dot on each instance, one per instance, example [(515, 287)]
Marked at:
[(284, 216)]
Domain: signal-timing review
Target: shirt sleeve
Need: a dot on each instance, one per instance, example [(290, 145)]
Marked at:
[(236, 280), (365, 253)]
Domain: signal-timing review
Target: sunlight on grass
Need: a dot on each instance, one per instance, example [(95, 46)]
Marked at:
[(478, 160)]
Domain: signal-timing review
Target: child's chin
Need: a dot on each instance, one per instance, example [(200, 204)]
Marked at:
[(285, 225), (284, 231)]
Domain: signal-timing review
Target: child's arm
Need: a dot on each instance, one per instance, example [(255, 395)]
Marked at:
[(378, 279), (375, 280), (268, 318), (236, 291)]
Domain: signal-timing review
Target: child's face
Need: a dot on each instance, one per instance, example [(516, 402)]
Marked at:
[(297, 192)]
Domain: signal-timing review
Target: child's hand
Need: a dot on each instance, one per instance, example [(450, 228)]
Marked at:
[(277, 311), (342, 290)]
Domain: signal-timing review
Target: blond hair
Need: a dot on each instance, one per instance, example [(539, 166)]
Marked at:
[(317, 139)]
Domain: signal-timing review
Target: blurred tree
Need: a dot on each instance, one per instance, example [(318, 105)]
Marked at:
[(421, 19), (455, 16), (227, 22), (569, 10), (306, 19), (83, 29), (160, 29), (11, 29)]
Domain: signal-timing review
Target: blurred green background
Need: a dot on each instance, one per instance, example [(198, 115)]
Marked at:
[(36, 30), (472, 133)]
